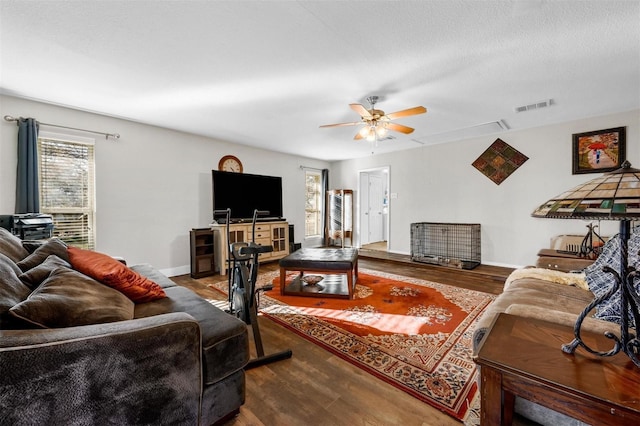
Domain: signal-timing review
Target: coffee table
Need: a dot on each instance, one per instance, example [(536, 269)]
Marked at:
[(335, 272), (522, 357)]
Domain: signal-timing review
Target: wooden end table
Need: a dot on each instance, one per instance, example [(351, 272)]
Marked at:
[(523, 357)]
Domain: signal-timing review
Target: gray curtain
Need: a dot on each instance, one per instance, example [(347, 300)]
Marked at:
[(27, 195), (325, 188)]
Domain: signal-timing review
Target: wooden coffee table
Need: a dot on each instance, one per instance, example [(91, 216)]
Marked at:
[(522, 357), (337, 269)]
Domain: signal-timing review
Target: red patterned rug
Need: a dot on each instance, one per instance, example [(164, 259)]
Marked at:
[(411, 333)]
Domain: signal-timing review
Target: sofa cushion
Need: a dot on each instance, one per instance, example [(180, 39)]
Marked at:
[(113, 273), (34, 276), (12, 290), (224, 337), (32, 245), (532, 292), (68, 298), (11, 246), (53, 246)]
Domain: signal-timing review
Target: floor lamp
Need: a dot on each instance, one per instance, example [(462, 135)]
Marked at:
[(613, 196)]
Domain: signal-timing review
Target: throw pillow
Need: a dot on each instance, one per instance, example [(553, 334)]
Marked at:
[(68, 299), (11, 246), (12, 290), (32, 245), (35, 276), (601, 282), (53, 246), (113, 273)]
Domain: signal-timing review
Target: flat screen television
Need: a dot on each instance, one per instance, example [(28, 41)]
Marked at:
[(243, 193)]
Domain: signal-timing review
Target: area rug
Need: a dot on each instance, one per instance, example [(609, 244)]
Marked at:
[(411, 333)]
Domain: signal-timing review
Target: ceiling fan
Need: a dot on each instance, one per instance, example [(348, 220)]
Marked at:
[(376, 123)]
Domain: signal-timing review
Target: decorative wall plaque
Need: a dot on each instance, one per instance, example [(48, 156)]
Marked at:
[(499, 161)]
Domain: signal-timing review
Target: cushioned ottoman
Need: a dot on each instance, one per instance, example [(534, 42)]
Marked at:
[(329, 261)]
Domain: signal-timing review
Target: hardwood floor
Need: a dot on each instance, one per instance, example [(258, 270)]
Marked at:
[(315, 387)]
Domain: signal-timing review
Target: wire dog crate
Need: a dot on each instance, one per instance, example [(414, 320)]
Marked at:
[(456, 245)]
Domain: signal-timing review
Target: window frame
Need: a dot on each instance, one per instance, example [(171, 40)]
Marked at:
[(88, 212), (318, 211)]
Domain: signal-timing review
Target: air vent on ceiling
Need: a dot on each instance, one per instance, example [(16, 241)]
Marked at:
[(536, 105)]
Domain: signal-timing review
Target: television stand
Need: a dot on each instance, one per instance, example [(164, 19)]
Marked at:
[(223, 221), (270, 219), (269, 232)]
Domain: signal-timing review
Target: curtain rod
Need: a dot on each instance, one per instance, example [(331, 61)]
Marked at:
[(311, 168), (106, 135)]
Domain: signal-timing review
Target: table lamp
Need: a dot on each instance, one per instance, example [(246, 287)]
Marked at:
[(612, 196)]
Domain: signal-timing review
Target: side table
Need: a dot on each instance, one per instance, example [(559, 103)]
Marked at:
[(523, 357), (561, 261)]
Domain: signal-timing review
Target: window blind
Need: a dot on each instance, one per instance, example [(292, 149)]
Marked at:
[(67, 189)]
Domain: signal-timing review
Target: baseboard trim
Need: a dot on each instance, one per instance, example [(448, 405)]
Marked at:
[(174, 272), (503, 265)]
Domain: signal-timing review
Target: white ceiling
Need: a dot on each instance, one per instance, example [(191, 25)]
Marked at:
[(268, 73)]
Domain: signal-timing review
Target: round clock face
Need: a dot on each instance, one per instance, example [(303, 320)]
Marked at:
[(229, 163)]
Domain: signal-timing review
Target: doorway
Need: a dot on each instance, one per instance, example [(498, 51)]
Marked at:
[(374, 209)]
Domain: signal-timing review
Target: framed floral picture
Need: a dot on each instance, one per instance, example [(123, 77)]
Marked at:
[(599, 151)]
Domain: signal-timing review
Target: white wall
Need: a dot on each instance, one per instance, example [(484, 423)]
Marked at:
[(152, 185), (437, 183)]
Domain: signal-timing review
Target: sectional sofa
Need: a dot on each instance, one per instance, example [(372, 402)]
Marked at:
[(85, 339)]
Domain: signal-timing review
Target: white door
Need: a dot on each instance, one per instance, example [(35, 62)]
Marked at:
[(376, 203)]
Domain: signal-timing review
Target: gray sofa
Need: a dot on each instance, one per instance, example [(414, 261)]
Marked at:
[(175, 360)]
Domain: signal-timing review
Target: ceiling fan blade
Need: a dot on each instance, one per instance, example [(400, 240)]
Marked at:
[(407, 112), (342, 124), (400, 128), (364, 113)]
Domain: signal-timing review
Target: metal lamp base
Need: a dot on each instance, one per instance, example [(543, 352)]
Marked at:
[(630, 300)]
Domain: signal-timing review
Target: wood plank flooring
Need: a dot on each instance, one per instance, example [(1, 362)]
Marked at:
[(315, 387)]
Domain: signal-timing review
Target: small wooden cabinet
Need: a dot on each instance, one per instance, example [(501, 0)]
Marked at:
[(275, 234), (202, 252)]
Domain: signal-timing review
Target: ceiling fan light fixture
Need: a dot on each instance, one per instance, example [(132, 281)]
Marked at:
[(371, 134), (381, 130), (377, 124)]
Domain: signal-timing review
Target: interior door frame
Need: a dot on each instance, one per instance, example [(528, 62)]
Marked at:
[(385, 170)]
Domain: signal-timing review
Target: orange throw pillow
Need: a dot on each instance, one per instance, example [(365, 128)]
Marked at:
[(111, 272)]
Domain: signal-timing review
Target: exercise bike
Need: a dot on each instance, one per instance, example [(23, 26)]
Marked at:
[(242, 272)]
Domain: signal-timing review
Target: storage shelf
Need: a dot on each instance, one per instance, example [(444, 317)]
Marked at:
[(202, 252)]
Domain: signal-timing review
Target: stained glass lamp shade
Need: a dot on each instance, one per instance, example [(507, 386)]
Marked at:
[(613, 196)]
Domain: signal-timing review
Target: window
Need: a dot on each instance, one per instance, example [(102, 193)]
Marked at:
[(313, 204), (67, 188)]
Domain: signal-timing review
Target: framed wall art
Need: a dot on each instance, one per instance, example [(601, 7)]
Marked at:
[(499, 161), (599, 151)]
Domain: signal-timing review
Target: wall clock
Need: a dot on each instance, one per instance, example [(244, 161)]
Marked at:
[(230, 163)]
